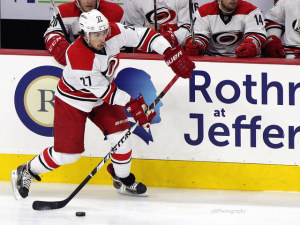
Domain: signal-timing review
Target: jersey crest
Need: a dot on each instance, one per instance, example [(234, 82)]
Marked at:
[(227, 38), (164, 16), (112, 65)]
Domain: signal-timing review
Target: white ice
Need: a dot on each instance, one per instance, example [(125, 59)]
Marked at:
[(164, 206)]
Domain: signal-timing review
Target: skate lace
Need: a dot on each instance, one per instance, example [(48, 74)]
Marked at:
[(26, 179)]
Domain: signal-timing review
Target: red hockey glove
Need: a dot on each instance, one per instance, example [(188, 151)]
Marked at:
[(194, 49), (165, 27), (171, 38), (57, 46), (247, 49), (137, 108), (179, 62), (273, 48)]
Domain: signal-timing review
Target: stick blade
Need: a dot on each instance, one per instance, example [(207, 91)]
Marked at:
[(44, 205)]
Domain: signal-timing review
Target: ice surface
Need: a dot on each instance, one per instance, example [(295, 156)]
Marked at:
[(164, 206)]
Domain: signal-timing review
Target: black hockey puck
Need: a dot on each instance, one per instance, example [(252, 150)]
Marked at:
[(80, 213)]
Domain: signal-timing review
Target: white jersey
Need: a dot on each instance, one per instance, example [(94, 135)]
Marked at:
[(285, 16), (141, 13), (87, 79), (222, 34)]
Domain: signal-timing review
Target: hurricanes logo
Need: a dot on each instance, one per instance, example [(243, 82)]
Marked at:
[(34, 99), (227, 38), (164, 16)]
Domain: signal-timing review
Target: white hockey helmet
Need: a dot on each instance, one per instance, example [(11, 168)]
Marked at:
[(93, 21)]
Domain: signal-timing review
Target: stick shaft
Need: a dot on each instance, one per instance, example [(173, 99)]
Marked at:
[(61, 23), (192, 20), (155, 15)]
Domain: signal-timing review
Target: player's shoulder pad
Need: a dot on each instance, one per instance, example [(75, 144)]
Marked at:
[(69, 10), (111, 11), (80, 57), (244, 8), (211, 8), (114, 30)]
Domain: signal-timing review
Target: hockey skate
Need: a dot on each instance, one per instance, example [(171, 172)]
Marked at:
[(128, 185), (21, 180)]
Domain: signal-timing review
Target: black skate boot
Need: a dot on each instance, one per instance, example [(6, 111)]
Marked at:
[(21, 180), (128, 185)]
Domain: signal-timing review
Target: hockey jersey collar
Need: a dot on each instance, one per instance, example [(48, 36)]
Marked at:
[(226, 18)]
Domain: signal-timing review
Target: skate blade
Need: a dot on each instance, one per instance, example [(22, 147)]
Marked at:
[(13, 180), (131, 194)]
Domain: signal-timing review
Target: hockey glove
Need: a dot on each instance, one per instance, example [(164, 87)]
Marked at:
[(196, 48), (273, 48), (57, 46), (179, 62), (165, 27), (138, 109), (171, 38), (247, 49)]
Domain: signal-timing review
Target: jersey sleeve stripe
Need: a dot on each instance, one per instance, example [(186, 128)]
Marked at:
[(108, 96), (260, 38), (150, 42), (113, 96), (106, 91), (147, 39), (144, 37), (273, 25), (186, 26)]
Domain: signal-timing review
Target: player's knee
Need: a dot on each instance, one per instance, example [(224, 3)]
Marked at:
[(65, 158)]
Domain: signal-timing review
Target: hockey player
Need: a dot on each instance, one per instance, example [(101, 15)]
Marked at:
[(54, 38), (172, 17), (283, 30), (227, 28), (87, 90)]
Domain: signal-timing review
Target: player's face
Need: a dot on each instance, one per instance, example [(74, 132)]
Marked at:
[(97, 39), (228, 5), (87, 5)]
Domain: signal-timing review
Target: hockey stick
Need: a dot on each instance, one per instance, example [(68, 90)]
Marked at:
[(61, 23), (46, 205), (155, 15), (192, 20)]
